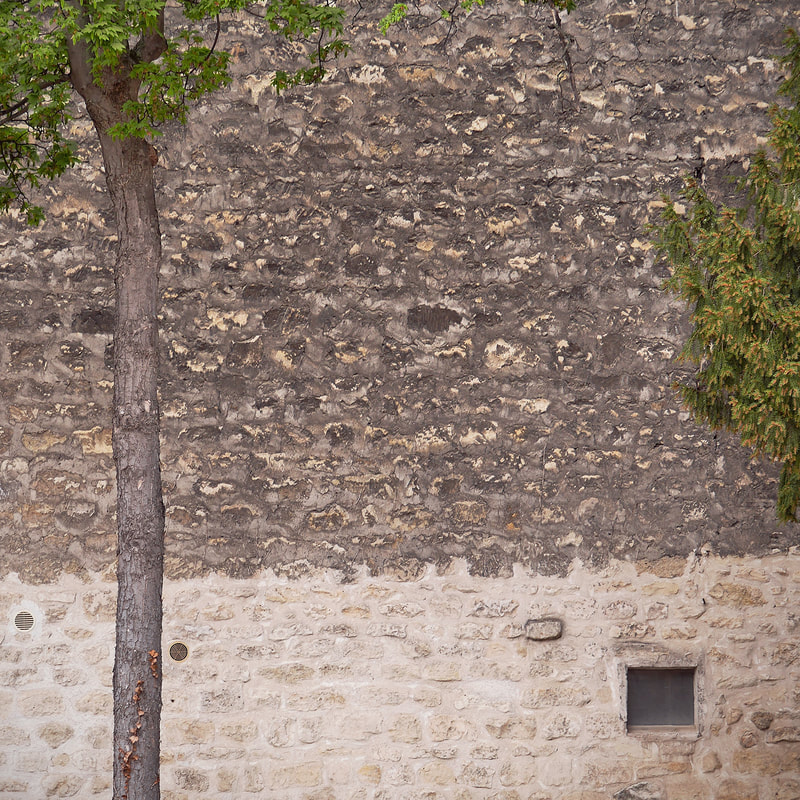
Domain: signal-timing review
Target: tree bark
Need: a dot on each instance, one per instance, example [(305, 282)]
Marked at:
[(135, 426), (140, 509)]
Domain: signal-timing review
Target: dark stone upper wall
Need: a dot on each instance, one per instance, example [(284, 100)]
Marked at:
[(409, 315)]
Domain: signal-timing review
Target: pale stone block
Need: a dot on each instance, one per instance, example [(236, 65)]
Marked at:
[(193, 780), (443, 671), (307, 774), (557, 771), (13, 786), (710, 762), (189, 731), (738, 595), (523, 727), (438, 773), (40, 703), (607, 771), (100, 606), (98, 703), (555, 695), (477, 776), (790, 733), (730, 789), (62, 785), (226, 779), (287, 673), (12, 735), (253, 779), (31, 761), (314, 701), (216, 700), (544, 629), (757, 761), (519, 772), (406, 728), (241, 730), (442, 728), (620, 609), (560, 726), (370, 773), (55, 733)]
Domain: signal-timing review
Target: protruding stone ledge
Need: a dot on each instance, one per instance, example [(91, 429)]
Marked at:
[(541, 630)]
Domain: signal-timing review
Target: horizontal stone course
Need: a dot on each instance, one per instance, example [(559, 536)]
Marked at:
[(539, 718)]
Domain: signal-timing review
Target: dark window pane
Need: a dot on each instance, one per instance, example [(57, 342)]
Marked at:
[(660, 697)]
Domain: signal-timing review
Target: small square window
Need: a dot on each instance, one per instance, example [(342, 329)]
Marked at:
[(660, 696)]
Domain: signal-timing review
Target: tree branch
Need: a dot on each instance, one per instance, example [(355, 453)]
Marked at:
[(152, 43)]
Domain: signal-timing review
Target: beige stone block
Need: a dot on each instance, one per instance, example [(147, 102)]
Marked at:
[(557, 770), (307, 774), (738, 595), (789, 733), (62, 785), (98, 702), (444, 728), (730, 789), (561, 726), (612, 770), (314, 701), (555, 695), (40, 703), (517, 727), (253, 779), (55, 733), (100, 784), (710, 762), (758, 761), (659, 769), (406, 728), (190, 731), (12, 735), (11, 786), (217, 700), (100, 606), (226, 779), (477, 776), (193, 780), (370, 773), (241, 730), (287, 673), (668, 588), (519, 772), (31, 761), (443, 671), (438, 773), (602, 725)]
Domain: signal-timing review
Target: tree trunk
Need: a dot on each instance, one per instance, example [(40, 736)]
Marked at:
[(135, 419), (140, 510)]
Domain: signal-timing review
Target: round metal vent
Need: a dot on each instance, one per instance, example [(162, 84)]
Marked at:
[(178, 651), (24, 621)]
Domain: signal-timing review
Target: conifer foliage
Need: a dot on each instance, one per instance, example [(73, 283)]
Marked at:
[(739, 270)]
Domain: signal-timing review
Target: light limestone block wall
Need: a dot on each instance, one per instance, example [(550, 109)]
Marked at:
[(317, 688)]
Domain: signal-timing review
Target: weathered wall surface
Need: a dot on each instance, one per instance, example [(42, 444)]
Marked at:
[(416, 370), (421, 690), (407, 316)]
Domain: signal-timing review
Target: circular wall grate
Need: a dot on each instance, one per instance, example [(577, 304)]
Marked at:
[(178, 651), (24, 621)]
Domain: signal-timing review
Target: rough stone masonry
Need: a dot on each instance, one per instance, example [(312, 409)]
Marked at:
[(416, 392)]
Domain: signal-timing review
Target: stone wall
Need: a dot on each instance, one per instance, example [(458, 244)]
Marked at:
[(324, 689), (409, 315), (416, 391)]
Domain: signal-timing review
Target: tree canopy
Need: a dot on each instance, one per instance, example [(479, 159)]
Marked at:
[(739, 270), (168, 58)]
